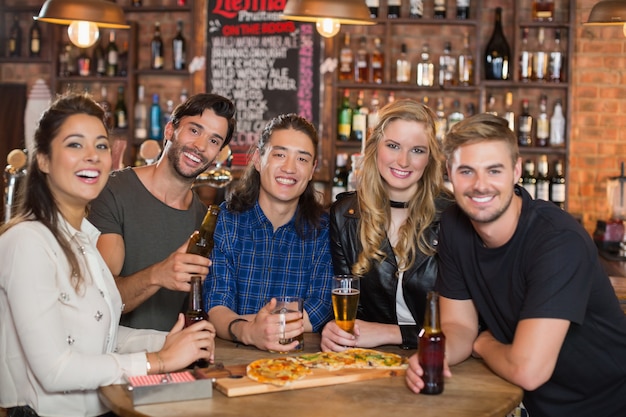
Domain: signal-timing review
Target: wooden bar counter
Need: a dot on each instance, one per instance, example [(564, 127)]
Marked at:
[(472, 391)]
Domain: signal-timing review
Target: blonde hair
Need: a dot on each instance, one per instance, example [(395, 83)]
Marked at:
[(374, 199)]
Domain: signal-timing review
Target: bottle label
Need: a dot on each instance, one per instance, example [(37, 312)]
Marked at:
[(35, 45), (558, 193), (543, 190)]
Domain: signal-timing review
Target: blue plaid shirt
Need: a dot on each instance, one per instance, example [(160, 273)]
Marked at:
[(252, 263)]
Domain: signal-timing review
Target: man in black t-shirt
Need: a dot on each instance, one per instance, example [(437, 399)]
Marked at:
[(550, 320)]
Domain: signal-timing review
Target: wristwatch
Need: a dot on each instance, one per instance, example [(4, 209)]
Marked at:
[(230, 329)]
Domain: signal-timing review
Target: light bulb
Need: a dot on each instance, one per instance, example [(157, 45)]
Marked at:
[(83, 34), (328, 27)]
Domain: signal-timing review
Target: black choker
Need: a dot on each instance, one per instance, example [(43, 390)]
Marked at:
[(398, 204)]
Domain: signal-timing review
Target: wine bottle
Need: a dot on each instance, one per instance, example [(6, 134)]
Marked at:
[(99, 60), (543, 181), (393, 9), (34, 44), (557, 126), (178, 48), (195, 312), (109, 120), (540, 58), (462, 9), (359, 119), (15, 37), (201, 241), (466, 63), (439, 9), (346, 60), (447, 67), (344, 118), (403, 66), (156, 48), (340, 179), (120, 113), (377, 63), (525, 125), (362, 62), (543, 123), (432, 346), (525, 58), (528, 179), (156, 129), (141, 115), (497, 53), (112, 55), (425, 68), (555, 66), (373, 6), (557, 185)]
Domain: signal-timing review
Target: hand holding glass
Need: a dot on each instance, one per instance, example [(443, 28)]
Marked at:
[(345, 295), (285, 305)]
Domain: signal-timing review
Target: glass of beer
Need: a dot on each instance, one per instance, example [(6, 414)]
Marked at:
[(345, 295), (286, 305)]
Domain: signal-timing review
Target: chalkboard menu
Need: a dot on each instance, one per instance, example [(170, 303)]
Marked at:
[(266, 65)]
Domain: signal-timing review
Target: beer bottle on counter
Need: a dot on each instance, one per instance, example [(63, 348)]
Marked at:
[(195, 312), (201, 241), (431, 347)]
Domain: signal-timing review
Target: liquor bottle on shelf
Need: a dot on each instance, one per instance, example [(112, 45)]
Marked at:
[(456, 116), (344, 118), (439, 9), (121, 115), (141, 115), (462, 9), (525, 58), (425, 68), (555, 65), (64, 58), (346, 60), (99, 60), (528, 179), (122, 61), (196, 313), (525, 125), (509, 114), (543, 10), (359, 119), (543, 181), (178, 48), (497, 53), (403, 66), (374, 6), (34, 43), (393, 9), (372, 115), (432, 346), (542, 137), (105, 104), (441, 121), (362, 62), (557, 185), (156, 117), (84, 63), (540, 58), (416, 9), (156, 48), (377, 63), (491, 105), (557, 126), (169, 109), (15, 38), (466, 63), (447, 67), (112, 55), (340, 179)]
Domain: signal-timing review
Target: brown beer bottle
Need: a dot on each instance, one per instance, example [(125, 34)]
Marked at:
[(201, 241), (431, 349), (195, 312)]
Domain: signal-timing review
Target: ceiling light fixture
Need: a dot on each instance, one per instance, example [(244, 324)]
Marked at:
[(84, 18), (328, 15), (608, 13)]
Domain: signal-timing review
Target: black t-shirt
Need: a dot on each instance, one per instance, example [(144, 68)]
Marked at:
[(548, 269)]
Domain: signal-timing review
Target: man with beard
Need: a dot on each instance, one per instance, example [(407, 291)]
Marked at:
[(529, 273), (147, 214)]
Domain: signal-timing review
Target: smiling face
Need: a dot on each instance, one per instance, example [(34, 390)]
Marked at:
[(484, 177), (285, 167), (79, 162), (403, 154), (195, 143)]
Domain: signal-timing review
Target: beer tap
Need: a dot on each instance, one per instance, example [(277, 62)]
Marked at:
[(13, 174), (219, 176)]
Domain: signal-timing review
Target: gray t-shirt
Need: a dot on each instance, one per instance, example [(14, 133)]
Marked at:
[(151, 230)]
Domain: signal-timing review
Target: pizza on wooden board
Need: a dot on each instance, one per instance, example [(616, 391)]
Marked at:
[(277, 371)]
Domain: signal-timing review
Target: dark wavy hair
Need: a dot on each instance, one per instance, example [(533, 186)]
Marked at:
[(35, 200), (246, 192), (198, 103)]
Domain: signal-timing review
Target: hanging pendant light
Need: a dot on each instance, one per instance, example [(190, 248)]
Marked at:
[(608, 13), (84, 18), (328, 15)]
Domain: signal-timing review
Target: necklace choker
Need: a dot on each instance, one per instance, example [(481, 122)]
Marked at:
[(398, 204)]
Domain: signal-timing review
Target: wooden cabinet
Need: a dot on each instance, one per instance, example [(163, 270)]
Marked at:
[(436, 32)]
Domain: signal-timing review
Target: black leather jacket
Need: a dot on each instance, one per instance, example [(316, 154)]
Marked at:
[(377, 302)]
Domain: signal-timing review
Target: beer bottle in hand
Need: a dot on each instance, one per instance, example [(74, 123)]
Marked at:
[(195, 312), (201, 241), (431, 349)]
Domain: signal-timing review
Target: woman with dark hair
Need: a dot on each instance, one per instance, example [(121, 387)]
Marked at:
[(386, 231), (59, 306), (272, 240)]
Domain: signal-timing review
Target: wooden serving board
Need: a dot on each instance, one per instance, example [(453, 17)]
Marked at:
[(236, 387)]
